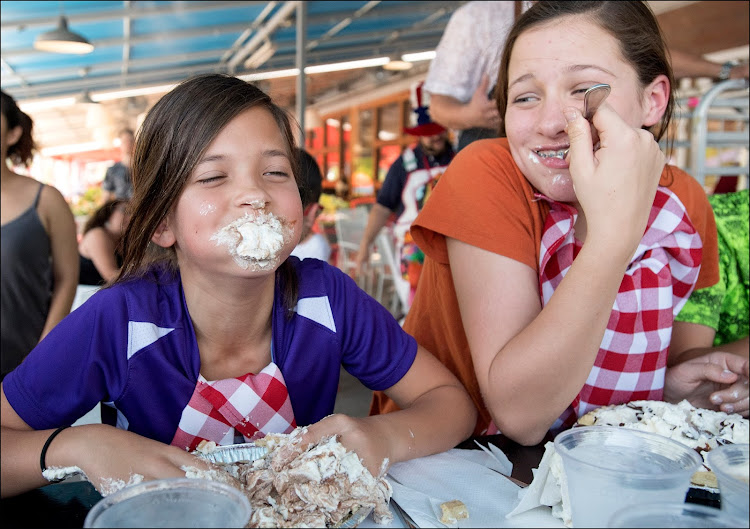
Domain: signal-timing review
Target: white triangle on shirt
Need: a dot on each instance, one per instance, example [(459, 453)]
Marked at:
[(318, 310), (142, 334)]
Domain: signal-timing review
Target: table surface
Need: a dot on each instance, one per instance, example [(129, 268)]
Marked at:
[(66, 504)]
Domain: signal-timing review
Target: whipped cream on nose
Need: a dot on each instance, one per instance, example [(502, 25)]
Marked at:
[(255, 240)]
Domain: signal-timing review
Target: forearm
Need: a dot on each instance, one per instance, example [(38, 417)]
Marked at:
[(539, 372), (690, 65), (738, 347), (63, 295), (19, 460), (379, 215), (450, 112), (424, 427)]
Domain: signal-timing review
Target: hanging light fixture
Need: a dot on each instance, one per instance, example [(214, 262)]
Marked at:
[(62, 40)]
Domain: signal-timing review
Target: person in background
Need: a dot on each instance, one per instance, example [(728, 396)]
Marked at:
[(554, 268), (117, 180), (406, 188), (38, 242), (717, 318), (208, 306), (98, 252), (462, 75), (311, 244)]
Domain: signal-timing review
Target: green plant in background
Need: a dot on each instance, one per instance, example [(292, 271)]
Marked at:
[(88, 202)]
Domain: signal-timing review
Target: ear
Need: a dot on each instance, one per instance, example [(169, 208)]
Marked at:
[(163, 235), (310, 212), (14, 135), (656, 97)]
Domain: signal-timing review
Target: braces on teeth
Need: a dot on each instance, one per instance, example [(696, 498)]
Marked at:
[(553, 154)]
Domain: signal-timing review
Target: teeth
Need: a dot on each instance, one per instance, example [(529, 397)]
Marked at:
[(553, 154)]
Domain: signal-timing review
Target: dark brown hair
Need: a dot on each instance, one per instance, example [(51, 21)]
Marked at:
[(169, 144), (631, 23), (22, 152), (311, 178), (100, 217)]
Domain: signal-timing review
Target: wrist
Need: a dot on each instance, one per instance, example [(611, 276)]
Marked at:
[(726, 70)]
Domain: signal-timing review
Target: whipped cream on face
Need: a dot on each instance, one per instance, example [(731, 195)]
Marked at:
[(255, 241)]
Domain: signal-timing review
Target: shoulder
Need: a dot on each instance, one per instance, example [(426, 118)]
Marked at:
[(316, 277), (53, 205), (687, 188), (147, 296), (485, 160), (96, 236)]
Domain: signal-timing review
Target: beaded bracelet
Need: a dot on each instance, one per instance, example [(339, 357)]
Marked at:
[(43, 456)]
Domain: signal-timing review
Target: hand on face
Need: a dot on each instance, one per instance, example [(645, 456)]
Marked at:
[(615, 186), (716, 381)]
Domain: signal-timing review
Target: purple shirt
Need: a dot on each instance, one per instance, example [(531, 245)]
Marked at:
[(134, 345)]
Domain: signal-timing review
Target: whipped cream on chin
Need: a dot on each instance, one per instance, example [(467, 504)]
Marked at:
[(255, 241)]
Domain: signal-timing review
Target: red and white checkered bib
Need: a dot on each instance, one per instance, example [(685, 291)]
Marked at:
[(632, 358), (250, 406)]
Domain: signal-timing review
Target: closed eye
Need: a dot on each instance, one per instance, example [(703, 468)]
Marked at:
[(210, 179), (277, 175)]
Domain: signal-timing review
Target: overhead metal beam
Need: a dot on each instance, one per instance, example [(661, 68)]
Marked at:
[(134, 63), (143, 10), (382, 11), (274, 22), (301, 62), (342, 24), (163, 76), (146, 39), (126, 44), (245, 34)]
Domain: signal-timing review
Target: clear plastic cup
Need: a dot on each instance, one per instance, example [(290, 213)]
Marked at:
[(730, 464), (607, 468), (176, 502), (673, 515)]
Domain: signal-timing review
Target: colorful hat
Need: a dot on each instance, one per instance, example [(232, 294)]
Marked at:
[(424, 126)]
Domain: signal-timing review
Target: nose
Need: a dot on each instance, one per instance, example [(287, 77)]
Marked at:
[(551, 118), (252, 194)]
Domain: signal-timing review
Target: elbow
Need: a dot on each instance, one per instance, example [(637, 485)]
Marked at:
[(522, 428), (523, 434)]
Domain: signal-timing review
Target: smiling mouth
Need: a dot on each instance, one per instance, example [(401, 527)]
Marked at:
[(561, 154)]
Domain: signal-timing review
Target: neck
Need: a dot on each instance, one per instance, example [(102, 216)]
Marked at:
[(232, 322)]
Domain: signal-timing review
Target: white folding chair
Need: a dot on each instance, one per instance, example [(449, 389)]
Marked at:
[(350, 228), (388, 271)]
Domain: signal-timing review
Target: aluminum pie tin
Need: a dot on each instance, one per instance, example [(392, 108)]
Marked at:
[(240, 453), (249, 452)]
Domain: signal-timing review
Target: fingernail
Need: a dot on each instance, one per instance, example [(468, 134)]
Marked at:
[(716, 399), (726, 373), (570, 114), (729, 408)]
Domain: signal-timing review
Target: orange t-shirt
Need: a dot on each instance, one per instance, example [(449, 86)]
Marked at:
[(484, 200)]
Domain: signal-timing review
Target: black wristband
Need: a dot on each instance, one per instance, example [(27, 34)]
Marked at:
[(43, 456)]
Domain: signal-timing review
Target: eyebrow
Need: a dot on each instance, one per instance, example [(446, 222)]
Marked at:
[(269, 153), (571, 69)]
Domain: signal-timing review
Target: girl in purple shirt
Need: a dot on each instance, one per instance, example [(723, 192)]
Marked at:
[(211, 331)]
